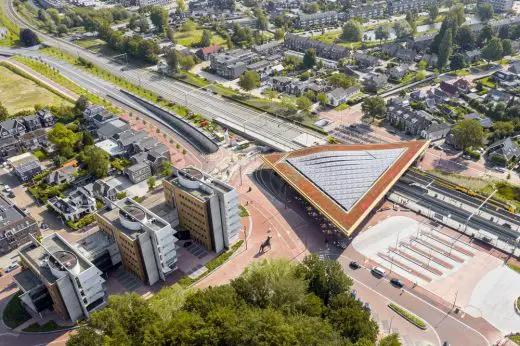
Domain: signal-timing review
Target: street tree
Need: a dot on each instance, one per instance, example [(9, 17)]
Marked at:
[(485, 11), (507, 47), (172, 59), (151, 183), (352, 31), (465, 38), (303, 103), (309, 58), (433, 13), (373, 107), (493, 49), (468, 133), (186, 62), (445, 50), (249, 80), (159, 18), (28, 37), (382, 33)]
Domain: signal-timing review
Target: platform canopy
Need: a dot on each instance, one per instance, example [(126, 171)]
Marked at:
[(345, 182)]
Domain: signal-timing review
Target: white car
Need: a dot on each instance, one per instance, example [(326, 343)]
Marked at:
[(7, 188), (11, 267), (500, 169)]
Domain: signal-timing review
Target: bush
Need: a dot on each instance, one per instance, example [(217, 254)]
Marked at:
[(499, 160), (40, 155), (473, 154), (84, 221), (47, 327), (408, 316), (121, 195), (243, 211)]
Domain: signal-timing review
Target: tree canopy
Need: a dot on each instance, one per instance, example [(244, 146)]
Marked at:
[(373, 107), (352, 31), (309, 58), (468, 133), (96, 159), (485, 11), (28, 37), (273, 302), (249, 80), (493, 50)]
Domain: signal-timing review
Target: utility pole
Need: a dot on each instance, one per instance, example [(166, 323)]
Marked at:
[(455, 300)]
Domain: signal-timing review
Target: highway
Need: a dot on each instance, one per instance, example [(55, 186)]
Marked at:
[(263, 127)]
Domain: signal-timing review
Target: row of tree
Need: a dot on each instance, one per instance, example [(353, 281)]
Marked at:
[(273, 302)]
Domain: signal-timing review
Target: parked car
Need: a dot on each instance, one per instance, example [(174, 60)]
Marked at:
[(396, 282), (11, 267), (354, 265), (7, 188), (500, 169), (379, 272), (466, 157)]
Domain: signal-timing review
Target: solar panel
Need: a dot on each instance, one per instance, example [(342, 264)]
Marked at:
[(345, 176)]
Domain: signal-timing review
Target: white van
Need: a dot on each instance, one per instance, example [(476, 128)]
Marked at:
[(378, 271)]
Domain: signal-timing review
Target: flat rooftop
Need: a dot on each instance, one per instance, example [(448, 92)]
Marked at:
[(93, 244), (345, 182), (203, 178), (27, 280)]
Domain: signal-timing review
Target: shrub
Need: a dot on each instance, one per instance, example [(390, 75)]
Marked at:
[(40, 155)]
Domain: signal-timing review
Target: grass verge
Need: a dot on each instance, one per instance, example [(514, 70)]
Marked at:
[(408, 316), (11, 39), (515, 338), (14, 313), (243, 211), (212, 265), (47, 327), (514, 267)]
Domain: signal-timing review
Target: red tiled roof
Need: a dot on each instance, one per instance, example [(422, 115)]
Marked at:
[(347, 221), (209, 50)]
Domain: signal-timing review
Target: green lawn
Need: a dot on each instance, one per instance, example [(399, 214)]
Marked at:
[(333, 37), (191, 38), (96, 46), (12, 36), (14, 313), (19, 93)]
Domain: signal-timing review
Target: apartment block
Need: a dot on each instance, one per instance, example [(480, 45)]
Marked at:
[(233, 63), (58, 277), (146, 242), (500, 5), (207, 208)]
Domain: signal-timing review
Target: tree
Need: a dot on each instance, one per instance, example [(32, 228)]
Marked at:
[(151, 183), (181, 6), (322, 99), (444, 50), (205, 40), (485, 11), (143, 25), (166, 168), (4, 114), (249, 80), (503, 129), (504, 32), (507, 47), (309, 58), (486, 34), (303, 103), (28, 37), (373, 107), (493, 50), (458, 61), (382, 33), (188, 26), (421, 74), (468, 133), (170, 34), (279, 34), (97, 160), (402, 29), (159, 18), (64, 138), (172, 59), (352, 31), (433, 12), (261, 21), (62, 29), (465, 38), (186, 62), (81, 104), (341, 80)]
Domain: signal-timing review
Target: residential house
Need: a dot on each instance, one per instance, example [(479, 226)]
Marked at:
[(106, 188), (397, 72), (262, 67), (102, 118), (61, 175), (436, 131), (365, 60), (16, 227), (450, 89), (323, 50), (35, 140), (78, 203), (514, 67), (9, 147), (341, 95), (46, 117), (501, 76), (111, 128), (92, 111), (463, 85), (126, 139), (12, 127), (417, 123), (404, 6), (32, 122), (390, 48), (205, 52), (505, 148), (431, 59), (374, 82), (421, 42), (374, 9), (138, 172), (499, 5), (153, 158), (25, 166), (495, 95), (268, 49), (281, 84), (417, 95), (407, 55), (485, 122)]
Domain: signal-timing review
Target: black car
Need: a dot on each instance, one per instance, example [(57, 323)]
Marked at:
[(354, 265), (397, 283)]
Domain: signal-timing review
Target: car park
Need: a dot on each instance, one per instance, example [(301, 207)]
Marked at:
[(397, 283)]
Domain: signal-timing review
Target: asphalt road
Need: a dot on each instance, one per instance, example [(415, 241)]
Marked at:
[(265, 128)]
